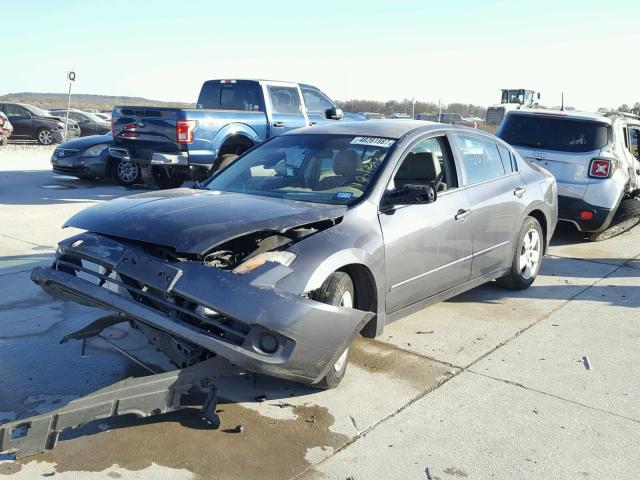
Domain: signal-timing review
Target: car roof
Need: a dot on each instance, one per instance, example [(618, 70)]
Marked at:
[(389, 128), (561, 114)]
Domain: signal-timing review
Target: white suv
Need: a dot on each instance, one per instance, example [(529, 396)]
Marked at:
[(594, 159)]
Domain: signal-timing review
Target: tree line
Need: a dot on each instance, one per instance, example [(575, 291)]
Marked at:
[(404, 106)]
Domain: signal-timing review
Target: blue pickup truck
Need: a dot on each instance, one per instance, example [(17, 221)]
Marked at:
[(231, 116)]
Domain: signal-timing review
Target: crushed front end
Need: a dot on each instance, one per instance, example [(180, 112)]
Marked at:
[(204, 302)]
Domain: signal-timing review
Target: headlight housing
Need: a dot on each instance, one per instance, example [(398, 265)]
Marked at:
[(60, 124), (95, 150), (283, 258)]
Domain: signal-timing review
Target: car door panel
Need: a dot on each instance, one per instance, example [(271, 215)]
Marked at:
[(495, 190), (285, 112), (427, 251)]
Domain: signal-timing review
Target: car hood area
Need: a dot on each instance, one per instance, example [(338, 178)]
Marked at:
[(193, 221)]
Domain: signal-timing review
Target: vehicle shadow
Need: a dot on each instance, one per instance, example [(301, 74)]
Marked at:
[(565, 289)]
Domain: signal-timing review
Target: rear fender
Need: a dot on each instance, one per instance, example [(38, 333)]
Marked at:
[(233, 130)]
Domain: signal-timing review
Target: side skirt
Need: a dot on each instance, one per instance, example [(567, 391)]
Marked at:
[(442, 296)]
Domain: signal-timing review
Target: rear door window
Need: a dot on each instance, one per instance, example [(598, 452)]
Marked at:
[(549, 133), (479, 158), (245, 96), (285, 99)]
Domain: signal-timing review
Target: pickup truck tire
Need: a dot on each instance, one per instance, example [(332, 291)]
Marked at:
[(125, 172), (626, 217), (162, 177), (337, 290), (527, 257), (224, 160), (44, 136)]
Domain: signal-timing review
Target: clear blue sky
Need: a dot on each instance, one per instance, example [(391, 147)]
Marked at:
[(458, 50)]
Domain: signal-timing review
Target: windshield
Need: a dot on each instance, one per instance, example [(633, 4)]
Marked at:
[(560, 134), (336, 169), (37, 111)]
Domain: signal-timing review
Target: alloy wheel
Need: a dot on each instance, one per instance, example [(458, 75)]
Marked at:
[(45, 137), (347, 302), (530, 254)]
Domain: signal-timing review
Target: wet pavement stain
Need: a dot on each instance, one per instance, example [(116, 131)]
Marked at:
[(379, 357), (265, 448)]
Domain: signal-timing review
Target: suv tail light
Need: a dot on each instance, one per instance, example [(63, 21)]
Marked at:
[(184, 130), (600, 168)]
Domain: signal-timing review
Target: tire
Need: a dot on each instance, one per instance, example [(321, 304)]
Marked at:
[(224, 161), (3, 141), (527, 257), (44, 136), (337, 290), (626, 217), (125, 172), (162, 177)]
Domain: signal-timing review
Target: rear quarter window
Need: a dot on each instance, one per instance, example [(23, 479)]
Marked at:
[(245, 96), (560, 134)]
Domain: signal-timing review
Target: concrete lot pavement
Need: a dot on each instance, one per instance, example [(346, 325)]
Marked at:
[(491, 384)]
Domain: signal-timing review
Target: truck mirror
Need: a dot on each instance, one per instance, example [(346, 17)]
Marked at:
[(333, 113)]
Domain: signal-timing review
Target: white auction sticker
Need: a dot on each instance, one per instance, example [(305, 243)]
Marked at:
[(373, 141)]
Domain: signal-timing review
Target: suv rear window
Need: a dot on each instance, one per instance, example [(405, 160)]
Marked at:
[(560, 134), (246, 96)]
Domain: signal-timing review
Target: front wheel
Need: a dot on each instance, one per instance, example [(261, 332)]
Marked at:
[(337, 290), (527, 257), (44, 136), (125, 172), (162, 177), (626, 217)]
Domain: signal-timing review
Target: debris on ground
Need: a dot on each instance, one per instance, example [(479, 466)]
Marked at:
[(586, 362)]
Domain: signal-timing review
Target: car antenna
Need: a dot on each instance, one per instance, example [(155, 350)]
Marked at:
[(562, 102)]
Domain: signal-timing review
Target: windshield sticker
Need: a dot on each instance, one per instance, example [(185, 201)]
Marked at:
[(344, 195), (373, 141)]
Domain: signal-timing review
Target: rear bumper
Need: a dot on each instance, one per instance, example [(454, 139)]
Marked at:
[(569, 211), (180, 159), (311, 335)]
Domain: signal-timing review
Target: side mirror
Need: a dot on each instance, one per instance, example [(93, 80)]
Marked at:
[(411, 194), (333, 113)]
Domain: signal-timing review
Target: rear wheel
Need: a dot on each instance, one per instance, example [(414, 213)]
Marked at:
[(125, 172), (162, 177), (337, 290), (44, 136), (527, 257), (626, 217)]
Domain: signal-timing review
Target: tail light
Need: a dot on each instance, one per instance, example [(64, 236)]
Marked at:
[(600, 168), (184, 130)]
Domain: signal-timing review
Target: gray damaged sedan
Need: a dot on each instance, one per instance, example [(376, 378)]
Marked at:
[(278, 261)]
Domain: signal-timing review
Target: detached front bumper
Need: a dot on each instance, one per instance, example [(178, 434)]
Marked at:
[(171, 296)]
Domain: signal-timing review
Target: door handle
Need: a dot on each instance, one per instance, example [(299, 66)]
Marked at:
[(462, 214), (311, 124), (519, 191), (278, 123)]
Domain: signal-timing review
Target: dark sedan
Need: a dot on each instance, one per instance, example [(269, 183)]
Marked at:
[(89, 158), (33, 123), (89, 123)]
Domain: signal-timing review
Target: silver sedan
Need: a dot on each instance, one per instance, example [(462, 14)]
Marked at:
[(316, 236)]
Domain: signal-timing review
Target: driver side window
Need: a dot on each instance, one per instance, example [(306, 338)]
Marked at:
[(427, 163)]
